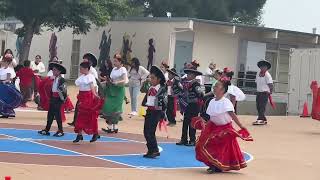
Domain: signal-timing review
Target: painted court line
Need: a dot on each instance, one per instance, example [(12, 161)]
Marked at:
[(86, 155)]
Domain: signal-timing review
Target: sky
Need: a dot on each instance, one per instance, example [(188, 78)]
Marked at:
[(293, 15)]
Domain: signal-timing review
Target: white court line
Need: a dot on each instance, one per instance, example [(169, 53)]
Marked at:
[(95, 156), (86, 155), (30, 110), (123, 139), (40, 154)]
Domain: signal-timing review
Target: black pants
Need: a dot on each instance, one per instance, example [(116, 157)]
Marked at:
[(191, 111), (26, 93), (150, 126), (54, 113), (170, 110), (261, 103), (75, 116)]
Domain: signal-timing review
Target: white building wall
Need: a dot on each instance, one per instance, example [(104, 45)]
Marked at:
[(212, 45)]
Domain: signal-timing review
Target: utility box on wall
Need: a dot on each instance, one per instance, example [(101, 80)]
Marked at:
[(304, 68)]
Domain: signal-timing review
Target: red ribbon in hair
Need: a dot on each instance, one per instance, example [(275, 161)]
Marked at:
[(226, 70), (224, 79)]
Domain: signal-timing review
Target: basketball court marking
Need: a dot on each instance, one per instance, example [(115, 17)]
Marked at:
[(26, 142)]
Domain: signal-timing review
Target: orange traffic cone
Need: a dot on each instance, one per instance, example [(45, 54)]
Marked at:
[(305, 112)]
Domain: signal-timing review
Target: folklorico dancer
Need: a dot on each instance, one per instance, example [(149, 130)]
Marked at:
[(234, 93), (190, 104), (89, 105), (10, 97), (58, 97), (264, 90), (173, 85), (156, 103), (115, 93), (88, 57), (26, 76), (217, 146)]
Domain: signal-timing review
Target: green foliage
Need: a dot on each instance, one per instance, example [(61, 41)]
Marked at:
[(240, 11), (76, 14)]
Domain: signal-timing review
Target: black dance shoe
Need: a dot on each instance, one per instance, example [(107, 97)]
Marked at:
[(191, 144), (78, 139), (71, 124), (44, 133), (182, 143), (151, 155), (95, 138), (110, 131), (213, 170), (59, 134)]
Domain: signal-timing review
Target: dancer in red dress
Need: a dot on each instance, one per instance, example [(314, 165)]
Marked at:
[(89, 105), (217, 146)]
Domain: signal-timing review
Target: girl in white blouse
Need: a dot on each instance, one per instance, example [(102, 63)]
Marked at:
[(217, 146), (89, 105), (10, 97)]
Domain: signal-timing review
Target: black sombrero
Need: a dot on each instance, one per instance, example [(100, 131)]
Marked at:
[(92, 58), (158, 73), (264, 63), (192, 71), (173, 71), (60, 67)]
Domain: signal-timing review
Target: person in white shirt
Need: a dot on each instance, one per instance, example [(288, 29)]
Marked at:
[(38, 66), (114, 95), (137, 75), (208, 76), (89, 105), (10, 97), (264, 90), (13, 63), (218, 138), (164, 67), (92, 60)]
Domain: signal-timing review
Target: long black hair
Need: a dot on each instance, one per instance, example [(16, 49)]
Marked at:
[(8, 51), (135, 64)]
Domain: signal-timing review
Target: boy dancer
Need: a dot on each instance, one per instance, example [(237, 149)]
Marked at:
[(173, 85), (156, 103), (264, 90), (26, 76), (190, 105), (58, 97)]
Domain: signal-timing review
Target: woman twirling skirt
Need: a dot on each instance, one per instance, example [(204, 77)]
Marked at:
[(89, 107), (10, 98)]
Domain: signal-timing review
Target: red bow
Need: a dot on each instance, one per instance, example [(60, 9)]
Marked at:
[(224, 79), (226, 70)]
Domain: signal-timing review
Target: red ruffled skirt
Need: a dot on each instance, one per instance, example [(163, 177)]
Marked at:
[(217, 146), (89, 107), (45, 87), (68, 106)]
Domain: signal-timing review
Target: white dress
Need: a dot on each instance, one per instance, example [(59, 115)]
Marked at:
[(219, 111)]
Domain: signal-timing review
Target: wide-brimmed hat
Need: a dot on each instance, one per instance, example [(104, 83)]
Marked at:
[(60, 67), (92, 58), (264, 63), (158, 73), (192, 71), (173, 71)]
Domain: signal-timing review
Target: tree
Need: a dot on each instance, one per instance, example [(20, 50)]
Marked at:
[(240, 11), (76, 14)]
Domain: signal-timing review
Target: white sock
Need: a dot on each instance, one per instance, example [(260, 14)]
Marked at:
[(115, 126), (110, 126)]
